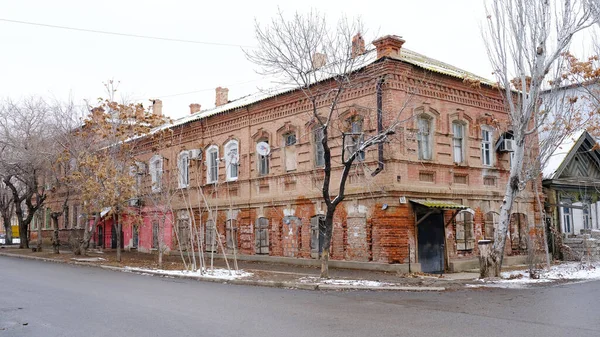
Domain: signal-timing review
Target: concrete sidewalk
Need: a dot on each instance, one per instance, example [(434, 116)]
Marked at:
[(277, 275)]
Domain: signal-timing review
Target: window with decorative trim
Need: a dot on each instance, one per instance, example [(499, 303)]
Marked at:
[(458, 142), (465, 237), (212, 164), (263, 161), (183, 167), (289, 151), (318, 146), (424, 123), (354, 138), (156, 171), (232, 155), (486, 145)]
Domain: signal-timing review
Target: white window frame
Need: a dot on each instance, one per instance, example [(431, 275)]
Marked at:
[(487, 136), (156, 171), (183, 168), (424, 148), (212, 168), (232, 169), (262, 162), (458, 142), (355, 139)]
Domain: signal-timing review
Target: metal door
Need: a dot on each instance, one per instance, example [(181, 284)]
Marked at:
[(431, 244)]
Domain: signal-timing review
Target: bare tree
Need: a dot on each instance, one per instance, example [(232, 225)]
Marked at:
[(525, 40), (322, 62), (23, 135)]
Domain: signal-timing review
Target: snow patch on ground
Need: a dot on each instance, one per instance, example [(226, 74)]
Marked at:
[(217, 273), (362, 283), (573, 271)]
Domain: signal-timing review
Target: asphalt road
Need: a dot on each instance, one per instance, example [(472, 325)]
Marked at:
[(47, 299)]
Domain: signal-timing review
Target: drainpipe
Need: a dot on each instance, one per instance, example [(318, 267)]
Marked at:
[(379, 93)]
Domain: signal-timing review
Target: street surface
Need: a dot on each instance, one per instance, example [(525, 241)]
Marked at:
[(49, 299)]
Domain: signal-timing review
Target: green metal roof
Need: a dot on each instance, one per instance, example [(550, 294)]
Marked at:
[(439, 204)]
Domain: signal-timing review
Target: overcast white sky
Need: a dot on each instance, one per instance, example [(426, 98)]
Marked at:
[(57, 63)]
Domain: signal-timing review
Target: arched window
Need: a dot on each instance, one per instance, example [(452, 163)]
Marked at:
[(319, 150), (156, 170), (465, 238), (183, 166), (354, 138), (232, 154), (212, 164), (491, 223), (263, 161), (289, 150), (458, 142), (424, 126)]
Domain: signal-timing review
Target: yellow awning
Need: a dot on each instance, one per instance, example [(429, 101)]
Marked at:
[(439, 204)]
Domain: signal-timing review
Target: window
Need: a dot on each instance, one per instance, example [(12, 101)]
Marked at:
[(567, 220), (263, 162), (155, 229), (183, 230), (48, 217), (424, 137), (289, 151), (586, 216), (75, 216), (210, 236), (319, 150), (355, 139), (183, 166), (231, 233), (486, 146), (262, 236), (212, 164), (156, 168), (316, 238), (491, 223), (232, 154), (464, 231), (66, 218), (458, 131)]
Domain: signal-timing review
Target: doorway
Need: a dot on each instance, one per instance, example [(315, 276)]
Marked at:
[(431, 243)]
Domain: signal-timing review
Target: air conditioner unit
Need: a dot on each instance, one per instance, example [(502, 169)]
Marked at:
[(508, 145), (134, 202), (196, 154)]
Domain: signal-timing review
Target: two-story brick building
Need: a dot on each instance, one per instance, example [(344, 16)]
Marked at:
[(438, 193)]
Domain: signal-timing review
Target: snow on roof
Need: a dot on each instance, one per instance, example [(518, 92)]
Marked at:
[(558, 156), (370, 57)]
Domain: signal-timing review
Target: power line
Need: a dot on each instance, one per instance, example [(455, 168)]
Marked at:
[(124, 34), (207, 89)]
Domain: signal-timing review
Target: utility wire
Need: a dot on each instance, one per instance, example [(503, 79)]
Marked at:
[(207, 89), (124, 34)]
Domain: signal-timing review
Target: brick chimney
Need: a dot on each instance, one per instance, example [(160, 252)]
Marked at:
[(221, 96), (156, 107), (319, 60), (358, 45), (388, 46), (194, 107)]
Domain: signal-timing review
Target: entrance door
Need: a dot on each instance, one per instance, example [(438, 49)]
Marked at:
[(431, 243), (113, 237), (100, 242)]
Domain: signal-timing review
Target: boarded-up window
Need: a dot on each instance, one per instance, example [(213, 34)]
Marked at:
[(155, 234), (183, 230), (262, 236), (210, 237), (461, 179), (427, 177), (316, 238), (518, 231), (491, 223), (489, 181), (289, 148), (231, 233), (464, 231)]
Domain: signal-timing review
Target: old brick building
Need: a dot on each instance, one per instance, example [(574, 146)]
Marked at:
[(438, 193)]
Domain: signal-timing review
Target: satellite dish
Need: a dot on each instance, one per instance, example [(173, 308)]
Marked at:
[(263, 148)]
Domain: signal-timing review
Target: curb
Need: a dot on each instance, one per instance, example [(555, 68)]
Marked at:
[(261, 283)]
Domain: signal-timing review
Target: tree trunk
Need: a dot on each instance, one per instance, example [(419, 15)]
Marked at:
[(485, 251), (23, 235), (7, 230), (55, 238), (88, 232), (326, 227), (39, 237), (325, 263)]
